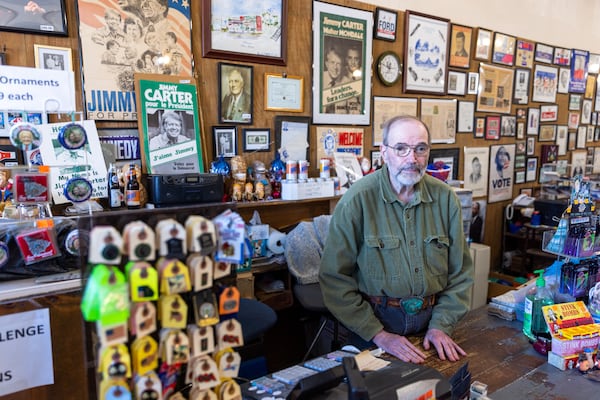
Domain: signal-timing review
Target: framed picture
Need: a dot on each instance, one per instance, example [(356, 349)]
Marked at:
[(376, 160), (502, 157), (386, 23), (545, 79), (590, 87), (341, 94), (578, 161), (292, 136), (562, 136), (544, 53), (521, 90), (586, 111), (524, 54), (440, 117), (51, 57), (460, 46), (495, 89), (520, 130), (594, 63), (572, 142), (473, 83), (386, 107), (449, 156), (564, 76), (3, 59), (547, 133), (521, 147), (527, 191), (573, 121), (257, 139), (492, 127), (531, 172), (549, 153), (562, 56), (483, 45), (519, 177), (533, 121), (24, 17), (225, 139), (466, 113), (457, 83), (579, 65), (428, 35), (530, 146), (284, 92), (508, 125), (479, 127), (237, 31), (590, 134), (235, 93), (548, 112), (581, 137), (475, 167), (575, 102), (521, 114), (504, 49)]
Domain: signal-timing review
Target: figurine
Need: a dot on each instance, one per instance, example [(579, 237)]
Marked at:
[(248, 191), (237, 192), (259, 192)]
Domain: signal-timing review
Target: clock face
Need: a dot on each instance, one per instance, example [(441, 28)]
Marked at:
[(388, 68)]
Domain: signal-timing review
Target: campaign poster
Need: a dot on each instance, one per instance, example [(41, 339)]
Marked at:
[(502, 158), (121, 38)]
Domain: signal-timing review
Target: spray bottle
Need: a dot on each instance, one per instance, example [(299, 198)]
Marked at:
[(538, 296)]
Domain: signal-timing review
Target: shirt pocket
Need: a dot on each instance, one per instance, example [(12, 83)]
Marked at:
[(436, 254), (381, 251)]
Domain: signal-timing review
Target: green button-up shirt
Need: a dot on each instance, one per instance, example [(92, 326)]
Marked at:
[(381, 247)]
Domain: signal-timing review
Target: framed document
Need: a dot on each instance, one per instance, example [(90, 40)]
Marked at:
[(284, 92)]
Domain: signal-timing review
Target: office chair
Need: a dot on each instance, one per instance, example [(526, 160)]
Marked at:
[(256, 319)]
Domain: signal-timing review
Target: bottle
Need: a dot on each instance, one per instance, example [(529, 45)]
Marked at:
[(132, 191), (538, 296), (114, 189)]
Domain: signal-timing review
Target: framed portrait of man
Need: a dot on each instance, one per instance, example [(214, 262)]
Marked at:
[(235, 93)]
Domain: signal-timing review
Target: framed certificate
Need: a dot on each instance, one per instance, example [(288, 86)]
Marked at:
[(284, 92)]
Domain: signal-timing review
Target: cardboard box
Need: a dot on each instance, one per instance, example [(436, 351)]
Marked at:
[(562, 362), (294, 190), (496, 288), (245, 284)]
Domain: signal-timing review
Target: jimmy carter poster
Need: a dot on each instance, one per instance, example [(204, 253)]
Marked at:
[(120, 38)]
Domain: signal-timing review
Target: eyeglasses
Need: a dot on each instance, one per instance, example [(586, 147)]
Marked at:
[(403, 149)]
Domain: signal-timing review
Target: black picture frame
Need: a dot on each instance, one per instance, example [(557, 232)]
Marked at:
[(257, 139), (51, 21), (452, 152), (280, 123), (386, 24), (230, 113), (222, 134)]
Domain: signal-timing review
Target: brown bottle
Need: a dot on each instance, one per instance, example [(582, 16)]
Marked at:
[(132, 191)]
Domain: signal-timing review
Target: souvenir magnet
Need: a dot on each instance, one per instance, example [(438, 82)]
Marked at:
[(37, 245), (144, 355), (173, 311), (72, 242), (105, 245), (72, 136), (202, 340), (229, 301), (229, 334), (148, 387), (110, 335), (115, 362), (31, 187), (25, 136), (205, 308), (143, 319), (205, 373), (78, 189)]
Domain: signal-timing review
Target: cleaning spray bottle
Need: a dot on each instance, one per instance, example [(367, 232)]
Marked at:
[(538, 296)]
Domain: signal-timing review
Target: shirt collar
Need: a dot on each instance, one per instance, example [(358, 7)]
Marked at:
[(422, 193)]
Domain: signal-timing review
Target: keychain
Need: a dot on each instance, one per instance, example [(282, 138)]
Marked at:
[(229, 301), (201, 270), (229, 334), (148, 387), (173, 311), (143, 281), (143, 319), (201, 235), (202, 340), (205, 308), (144, 355)]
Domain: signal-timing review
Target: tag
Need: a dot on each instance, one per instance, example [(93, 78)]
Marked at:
[(229, 390), (144, 354), (111, 335), (106, 296), (148, 387), (114, 389), (221, 270), (205, 308), (139, 241), (171, 238), (231, 233), (115, 362), (143, 281), (105, 246), (229, 301), (172, 311), (175, 278), (198, 394), (228, 362), (143, 319), (205, 374), (202, 340), (176, 347), (229, 334), (201, 235), (201, 270)]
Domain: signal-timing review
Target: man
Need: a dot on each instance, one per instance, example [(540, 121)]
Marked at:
[(396, 261), (171, 131), (111, 31), (332, 77), (476, 223), (460, 45), (353, 73), (236, 105)]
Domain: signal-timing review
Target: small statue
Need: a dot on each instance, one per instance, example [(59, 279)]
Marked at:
[(248, 192), (259, 192), (237, 192)]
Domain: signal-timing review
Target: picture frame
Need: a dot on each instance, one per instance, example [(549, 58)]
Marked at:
[(341, 96), (590, 87), (2, 58), (524, 54), (53, 21), (483, 44), (475, 169), (531, 172), (526, 191), (292, 136), (547, 133), (521, 113), (238, 111), (597, 96), (450, 156), (479, 131), (520, 129), (386, 23), (578, 161), (519, 176), (581, 137), (492, 127), (457, 83), (594, 63), (433, 32), (543, 53), (508, 125), (501, 174), (564, 76), (533, 121), (439, 115), (376, 160), (545, 80), (504, 49), (586, 111), (573, 121), (473, 83), (530, 146), (521, 148), (224, 42), (562, 137), (225, 140), (386, 107), (284, 92), (495, 89), (460, 46), (572, 142), (548, 112), (575, 102), (579, 65), (257, 139), (521, 86), (52, 57), (466, 113), (562, 56)]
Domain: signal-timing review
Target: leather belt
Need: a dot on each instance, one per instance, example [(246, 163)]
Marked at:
[(400, 302)]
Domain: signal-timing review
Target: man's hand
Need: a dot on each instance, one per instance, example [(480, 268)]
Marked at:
[(399, 346), (444, 345)]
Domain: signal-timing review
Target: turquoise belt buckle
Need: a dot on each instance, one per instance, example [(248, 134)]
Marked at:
[(412, 305)]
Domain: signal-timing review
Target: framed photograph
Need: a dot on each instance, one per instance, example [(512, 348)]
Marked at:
[(292, 136), (253, 32), (531, 172), (225, 139), (483, 45), (594, 118), (235, 93), (524, 54), (466, 113), (473, 83), (521, 90), (504, 49), (547, 133), (579, 67), (578, 161), (341, 93), (428, 35), (594, 63), (520, 161), (544, 53), (562, 56), (3, 59), (581, 137), (572, 142), (590, 87), (495, 89), (257, 139), (376, 160), (549, 153), (521, 114), (502, 157), (479, 127), (475, 169), (460, 46), (573, 121), (440, 117), (492, 127), (590, 134), (519, 177), (533, 121), (575, 102), (586, 111), (284, 92), (457, 83), (521, 147), (564, 76), (508, 125), (520, 130), (386, 23), (548, 112), (545, 79), (24, 17), (597, 96), (386, 107), (51, 57), (530, 146), (449, 156)]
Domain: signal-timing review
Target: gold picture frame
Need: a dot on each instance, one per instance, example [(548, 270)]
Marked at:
[(52, 57), (284, 92)]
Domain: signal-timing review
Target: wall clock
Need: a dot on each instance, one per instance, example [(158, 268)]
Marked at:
[(389, 68)]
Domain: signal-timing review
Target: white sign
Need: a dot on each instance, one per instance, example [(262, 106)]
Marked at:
[(23, 88), (26, 349)]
